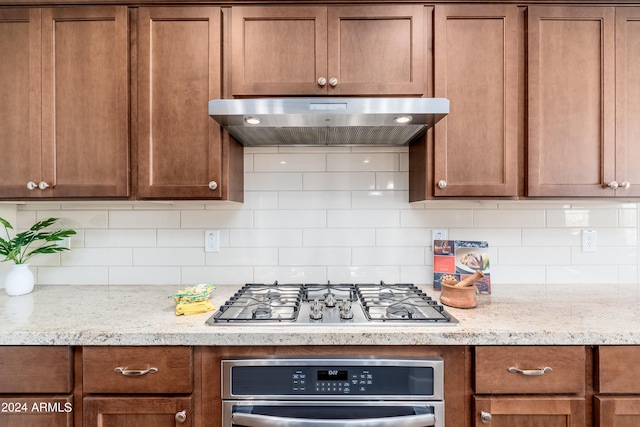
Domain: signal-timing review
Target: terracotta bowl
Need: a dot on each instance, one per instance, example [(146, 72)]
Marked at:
[(459, 297)]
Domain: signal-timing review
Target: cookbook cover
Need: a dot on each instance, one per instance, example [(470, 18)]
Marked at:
[(461, 258)]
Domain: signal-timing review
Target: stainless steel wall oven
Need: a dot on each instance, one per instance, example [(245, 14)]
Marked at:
[(346, 392)]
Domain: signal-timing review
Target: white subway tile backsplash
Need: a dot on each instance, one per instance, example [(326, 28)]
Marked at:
[(363, 218), (315, 256), (289, 162), (313, 214), (334, 181), (290, 218), (145, 275), (324, 237), (143, 219), (97, 257), (389, 256), (314, 200), (363, 162), (168, 256), (582, 218), (109, 238), (243, 256), (263, 181)]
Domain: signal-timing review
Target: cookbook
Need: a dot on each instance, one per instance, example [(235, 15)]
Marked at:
[(461, 258)]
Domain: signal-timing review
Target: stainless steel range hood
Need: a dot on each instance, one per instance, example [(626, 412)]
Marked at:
[(328, 121)]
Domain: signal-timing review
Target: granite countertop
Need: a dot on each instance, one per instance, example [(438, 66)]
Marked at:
[(143, 315)]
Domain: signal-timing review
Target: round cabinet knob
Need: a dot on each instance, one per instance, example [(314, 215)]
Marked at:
[(213, 185), (625, 185), (613, 185), (333, 81), (43, 185), (322, 81), (181, 416), (32, 185), (485, 417), (442, 183)]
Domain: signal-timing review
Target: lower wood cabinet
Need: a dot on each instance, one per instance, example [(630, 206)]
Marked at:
[(532, 386), (529, 411), (35, 386), (138, 386), (138, 411), (617, 403)]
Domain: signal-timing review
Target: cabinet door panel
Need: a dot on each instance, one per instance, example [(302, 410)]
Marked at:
[(136, 412), (179, 145), (20, 94), (476, 67), (278, 50), (628, 99), (376, 50), (85, 101), (554, 411), (571, 101), (617, 411)]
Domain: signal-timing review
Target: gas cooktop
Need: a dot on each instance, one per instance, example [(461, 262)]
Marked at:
[(331, 304)]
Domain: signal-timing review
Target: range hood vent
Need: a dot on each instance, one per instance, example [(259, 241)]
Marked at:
[(327, 121)]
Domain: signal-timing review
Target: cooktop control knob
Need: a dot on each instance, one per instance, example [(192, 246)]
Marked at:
[(316, 308), (330, 300), (345, 310)]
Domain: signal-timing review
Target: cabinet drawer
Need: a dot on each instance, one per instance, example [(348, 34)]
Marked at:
[(497, 370), (25, 369), (617, 369), (137, 369)]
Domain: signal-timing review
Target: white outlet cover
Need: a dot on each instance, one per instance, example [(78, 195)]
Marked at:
[(212, 241), (589, 241)]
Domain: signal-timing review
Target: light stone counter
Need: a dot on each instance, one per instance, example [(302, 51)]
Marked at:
[(143, 315)]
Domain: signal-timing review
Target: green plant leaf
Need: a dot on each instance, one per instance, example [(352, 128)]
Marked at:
[(18, 249)]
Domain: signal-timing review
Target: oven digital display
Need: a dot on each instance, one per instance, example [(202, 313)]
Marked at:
[(333, 375)]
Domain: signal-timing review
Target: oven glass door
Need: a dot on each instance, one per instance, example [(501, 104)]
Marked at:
[(332, 414)]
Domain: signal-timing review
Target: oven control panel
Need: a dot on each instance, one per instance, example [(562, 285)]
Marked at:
[(331, 381), (365, 378)]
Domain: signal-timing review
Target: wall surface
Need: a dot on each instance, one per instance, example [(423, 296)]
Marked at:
[(338, 214)]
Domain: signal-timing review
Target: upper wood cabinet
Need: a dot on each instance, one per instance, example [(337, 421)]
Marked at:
[(583, 94), (476, 68), (182, 153), (64, 118), (327, 50)]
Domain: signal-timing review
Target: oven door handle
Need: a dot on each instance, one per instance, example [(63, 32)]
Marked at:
[(256, 420)]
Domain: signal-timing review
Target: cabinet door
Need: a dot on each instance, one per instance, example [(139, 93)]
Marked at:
[(554, 411), (85, 102), (627, 100), (278, 50), (179, 145), (618, 411), (41, 411), (476, 67), (375, 50), (571, 101), (20, 108), (137, 411)]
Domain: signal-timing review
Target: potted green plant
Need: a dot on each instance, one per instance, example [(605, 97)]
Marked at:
[(36, 240)]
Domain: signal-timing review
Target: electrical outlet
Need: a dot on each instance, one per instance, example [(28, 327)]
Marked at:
[(438, 234), (212, 241), (589, 241)]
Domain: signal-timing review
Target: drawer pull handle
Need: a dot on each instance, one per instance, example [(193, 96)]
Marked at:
[(530, 372), (485, 417), (135, 372)]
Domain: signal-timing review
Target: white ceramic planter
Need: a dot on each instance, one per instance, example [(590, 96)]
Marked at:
[(19, 280)]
